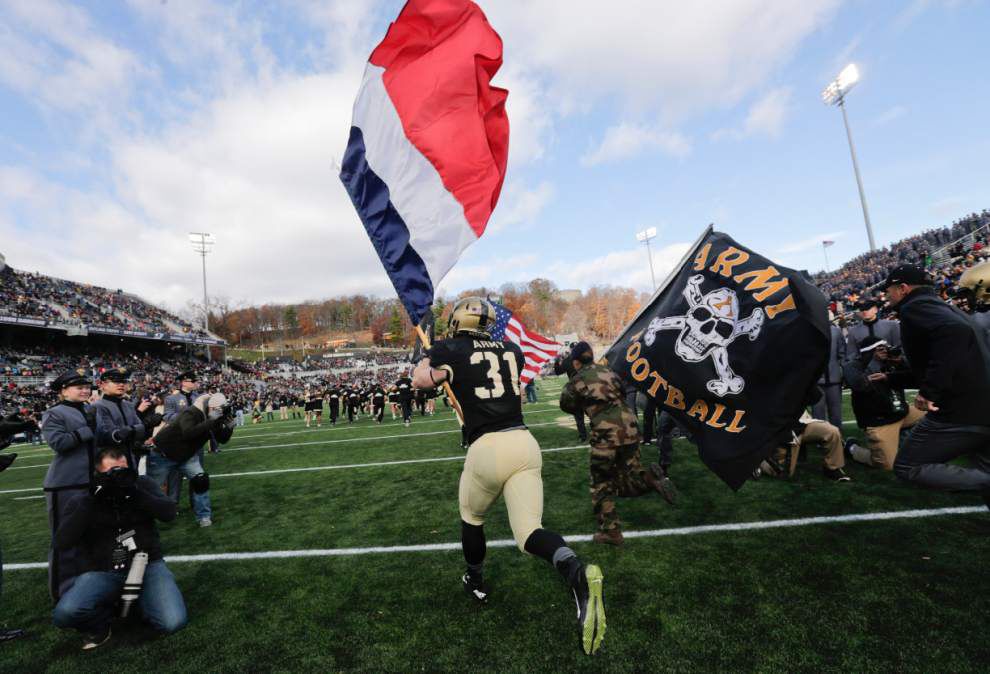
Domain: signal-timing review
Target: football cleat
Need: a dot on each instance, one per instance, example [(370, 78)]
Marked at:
[(590, 607), (475, 588)]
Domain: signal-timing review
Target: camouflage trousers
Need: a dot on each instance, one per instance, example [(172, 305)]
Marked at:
[(615, 471)]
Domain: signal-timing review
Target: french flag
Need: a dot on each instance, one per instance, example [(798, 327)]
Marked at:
[(429, 141)]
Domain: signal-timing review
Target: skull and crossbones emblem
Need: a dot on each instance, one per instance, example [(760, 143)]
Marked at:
[(709, 326)]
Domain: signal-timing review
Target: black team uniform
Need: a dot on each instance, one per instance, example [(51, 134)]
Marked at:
[(333, 399), (404, 384), (505, 459), (378, 403)]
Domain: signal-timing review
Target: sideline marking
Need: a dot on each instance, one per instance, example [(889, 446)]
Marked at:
[(344, 426), (377, 437), (575, 538), (319, 442), (370, 465), (459, 457)]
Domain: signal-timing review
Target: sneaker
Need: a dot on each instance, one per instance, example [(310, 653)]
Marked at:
[(93, 641), (662, 484), (847, 447), (613, 537), (206, 522), (10, 635), (590, 607), (837, 475), (475, 588)]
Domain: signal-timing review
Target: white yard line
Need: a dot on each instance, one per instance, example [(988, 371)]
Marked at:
[(376, 437), (344, 426), (459, 457), (571, 538), (319, 442), (339, 466)]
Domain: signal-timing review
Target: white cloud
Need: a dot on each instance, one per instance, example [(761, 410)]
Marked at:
[(52, 55), (623, 268), (629, 140), (810, 243), (519, 205), (676, 58), (889, 115), (766, 117)]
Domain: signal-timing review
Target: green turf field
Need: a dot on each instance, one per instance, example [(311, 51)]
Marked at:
[(900, 595)]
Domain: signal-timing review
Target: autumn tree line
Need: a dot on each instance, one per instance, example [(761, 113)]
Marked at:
[(596, 314)]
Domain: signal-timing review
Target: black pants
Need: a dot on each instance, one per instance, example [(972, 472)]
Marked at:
[(923, 458), (660, 426), (406, 410), (379, 412), (579, 421)]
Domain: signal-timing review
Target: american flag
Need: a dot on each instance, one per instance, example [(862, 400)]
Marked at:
[(536, 348)]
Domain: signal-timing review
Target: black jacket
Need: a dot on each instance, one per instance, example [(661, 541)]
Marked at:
[(187, 432), (877, 403), (91, 525), (949, 355)]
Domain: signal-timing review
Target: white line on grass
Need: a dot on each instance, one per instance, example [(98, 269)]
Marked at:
[(344, 426), (318, 442), (377, 437), (27, 498), (275, 471), (572, 538), (459, 457)]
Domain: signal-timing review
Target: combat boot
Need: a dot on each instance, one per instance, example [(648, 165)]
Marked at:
[(610, 537)]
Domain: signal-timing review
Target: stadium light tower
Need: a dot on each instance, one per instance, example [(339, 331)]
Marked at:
[(202, 243), (644, 237), (835, 94)]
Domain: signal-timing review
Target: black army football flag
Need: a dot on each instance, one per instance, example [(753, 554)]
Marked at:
[(731, 345)]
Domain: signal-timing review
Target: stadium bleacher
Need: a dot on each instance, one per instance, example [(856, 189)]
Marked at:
[(46, 301), (946, 252)]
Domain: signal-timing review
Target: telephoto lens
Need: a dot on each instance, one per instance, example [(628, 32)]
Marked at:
[(132, 586)]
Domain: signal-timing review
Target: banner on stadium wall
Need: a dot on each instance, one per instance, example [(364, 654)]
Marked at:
[(138, 334)]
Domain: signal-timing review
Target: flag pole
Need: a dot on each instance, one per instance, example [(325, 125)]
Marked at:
[(446, 385), (825, 251), (663, 286)]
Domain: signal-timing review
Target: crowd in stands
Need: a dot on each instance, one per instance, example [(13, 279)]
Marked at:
[(287, 364), (29, 295), (858, 277), (155, 376)]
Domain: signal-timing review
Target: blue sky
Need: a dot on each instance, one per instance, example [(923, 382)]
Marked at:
[(127, 125)]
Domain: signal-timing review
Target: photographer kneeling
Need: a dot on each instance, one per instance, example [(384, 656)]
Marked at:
[(877, 377), (177, 444), (111, 526)]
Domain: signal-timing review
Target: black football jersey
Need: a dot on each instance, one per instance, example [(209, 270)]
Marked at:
[(404, 384), (485, 378)]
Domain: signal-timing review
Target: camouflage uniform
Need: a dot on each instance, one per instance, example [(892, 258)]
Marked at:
[(615, 465)]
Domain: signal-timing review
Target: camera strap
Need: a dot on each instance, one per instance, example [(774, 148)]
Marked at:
[(123, 546)]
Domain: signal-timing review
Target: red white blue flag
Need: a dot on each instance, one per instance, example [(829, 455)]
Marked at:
[(429, 141)]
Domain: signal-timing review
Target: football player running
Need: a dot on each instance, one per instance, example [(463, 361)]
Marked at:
[(503, 458)]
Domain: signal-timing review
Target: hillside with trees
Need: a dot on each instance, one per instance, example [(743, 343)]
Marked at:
[(597, 314)]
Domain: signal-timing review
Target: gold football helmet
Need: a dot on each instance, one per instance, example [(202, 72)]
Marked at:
[(977, 280), (471, 316)]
